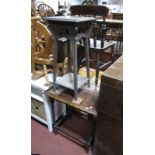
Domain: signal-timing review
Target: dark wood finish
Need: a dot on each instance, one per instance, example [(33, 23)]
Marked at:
[(109, 124), (97, 42), (117, 16), (83, 134), (45, 10), (87, 105), (89, 10), (85, 111), (88, 2), (115, 23), (115, 31), (108, 135)]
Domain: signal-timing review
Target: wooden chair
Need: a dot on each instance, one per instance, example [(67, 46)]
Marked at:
[(41, 52), (45, 10), (117, 31), (37, 3), (98, 42), (88, 2), (118, 16)]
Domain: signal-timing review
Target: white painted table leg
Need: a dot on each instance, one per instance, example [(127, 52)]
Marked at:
[(48, 112)]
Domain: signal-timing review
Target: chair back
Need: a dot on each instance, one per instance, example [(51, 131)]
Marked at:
[(88, 2), (89, 10), (37, 3), (99, 29), (45, 10)]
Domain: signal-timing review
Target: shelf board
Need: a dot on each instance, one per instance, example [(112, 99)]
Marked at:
[(40, 83), (68, 82)]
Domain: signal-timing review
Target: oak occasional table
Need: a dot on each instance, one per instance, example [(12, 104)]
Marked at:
[(86, 112)]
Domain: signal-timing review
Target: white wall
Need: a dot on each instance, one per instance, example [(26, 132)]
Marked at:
[(118, 2), (54, 3), (113, 4)]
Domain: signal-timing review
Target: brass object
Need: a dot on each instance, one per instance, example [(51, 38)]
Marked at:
[(33, 9), (42, 50), (37, 108)]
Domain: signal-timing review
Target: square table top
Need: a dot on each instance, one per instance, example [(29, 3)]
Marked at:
[(75, 19), (89, 98)]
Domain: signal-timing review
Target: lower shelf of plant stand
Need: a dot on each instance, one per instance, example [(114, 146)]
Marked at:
[(67, 81)]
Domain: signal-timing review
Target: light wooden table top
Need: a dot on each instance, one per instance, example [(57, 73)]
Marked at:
[(112, 21), (88, 95)]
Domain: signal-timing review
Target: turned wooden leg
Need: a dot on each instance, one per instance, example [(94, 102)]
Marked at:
[(46, 75)]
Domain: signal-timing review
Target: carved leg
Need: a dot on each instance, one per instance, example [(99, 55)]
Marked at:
[(97, 68), (55, 63), (87, 59), (53, 116), (112, 52), (69, 54), (90, 131), (74, 51), (48, 112), (69, 111)]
